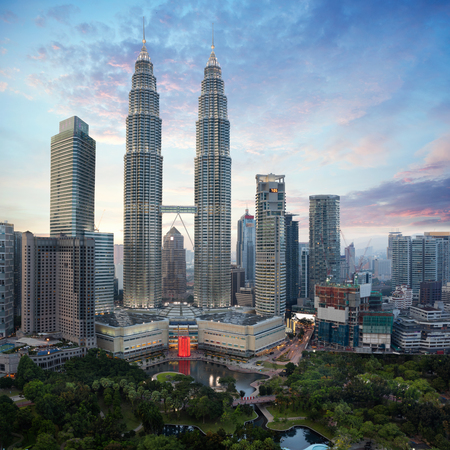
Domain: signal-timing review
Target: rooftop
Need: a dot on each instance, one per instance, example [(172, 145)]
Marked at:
[(122, 317), (234, 318)]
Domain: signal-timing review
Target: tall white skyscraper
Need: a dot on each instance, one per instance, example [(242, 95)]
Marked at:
[(142, 190), (212, 192), (245, 246), (72, 183), (401, 261), (270, 283)]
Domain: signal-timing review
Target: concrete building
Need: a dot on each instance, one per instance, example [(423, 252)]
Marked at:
[(446, 293), (17, 273), (137, 334), (237, 282), (118, 253), (344, 319), (430, 292), (174, 266), (402, 297), (350, 259), (424, 256), (270, 283), (104, 271), (426, 329), (212, 192), (324, 240), (292, 260), (6, 279), (245, 246), (72, 184), (245, 297), (58, 287), (443, 259), (392, 236), (401, 261), (142, 190), (382, 268)]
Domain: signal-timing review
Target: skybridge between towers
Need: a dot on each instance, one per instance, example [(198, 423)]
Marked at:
[(178, 210)]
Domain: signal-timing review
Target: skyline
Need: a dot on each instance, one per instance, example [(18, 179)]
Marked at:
[(343, 98)]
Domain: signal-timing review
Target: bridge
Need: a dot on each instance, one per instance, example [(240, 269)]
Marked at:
[(254, 400)]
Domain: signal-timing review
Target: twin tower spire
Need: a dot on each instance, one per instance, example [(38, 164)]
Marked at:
[(142, 281)]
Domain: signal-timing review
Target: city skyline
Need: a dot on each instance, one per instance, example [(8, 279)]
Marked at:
[(347, 94)]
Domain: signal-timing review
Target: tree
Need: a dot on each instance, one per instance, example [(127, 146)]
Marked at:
[(151, 417), (8, 412), (46, 441), (27, 371), (151, 442), (290, 367), (34, 390)]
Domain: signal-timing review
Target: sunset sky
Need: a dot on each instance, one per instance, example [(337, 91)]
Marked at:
[(342, 97)]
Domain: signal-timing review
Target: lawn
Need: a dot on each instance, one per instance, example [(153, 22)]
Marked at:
[(129, 418), (166, 376), (273, 365), (10, 392), (286, 424), (289, 412), (209, 425)]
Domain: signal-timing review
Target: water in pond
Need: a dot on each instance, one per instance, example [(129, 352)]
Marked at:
[(208, 373)]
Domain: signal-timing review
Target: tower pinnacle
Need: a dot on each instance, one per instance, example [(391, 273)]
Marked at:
[(143, 31), (212, 46)]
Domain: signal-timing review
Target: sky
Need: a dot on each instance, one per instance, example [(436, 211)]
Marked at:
[(349, 98)]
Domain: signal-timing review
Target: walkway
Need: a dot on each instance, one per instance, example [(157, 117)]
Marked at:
[(254, 400)]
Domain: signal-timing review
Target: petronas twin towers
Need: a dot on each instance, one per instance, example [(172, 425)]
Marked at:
[(143, 191)]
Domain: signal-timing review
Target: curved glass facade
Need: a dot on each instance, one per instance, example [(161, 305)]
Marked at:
[(142, 191), (212, 193)]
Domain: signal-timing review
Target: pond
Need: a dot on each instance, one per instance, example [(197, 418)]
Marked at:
[(208, 373)]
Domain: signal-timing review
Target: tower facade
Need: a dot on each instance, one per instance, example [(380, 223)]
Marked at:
[(401, 261), (212, 192), (174, 266), (245, 246), (142, 190), (6, 279), (324, 240), (72, 183), (270, 283), (292, 262)]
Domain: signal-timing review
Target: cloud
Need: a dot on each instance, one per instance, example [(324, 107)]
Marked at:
[(40, 21), (62, 13), (398, 203), (3, 51), (3, 86), (9, 72), (9, 17), (435, 164)]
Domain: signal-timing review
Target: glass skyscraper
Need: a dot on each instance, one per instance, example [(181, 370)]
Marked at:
[(72, 190), (324, 240), (142, 190), (270, 283), (212, 192), (292, 263), (245, 246)]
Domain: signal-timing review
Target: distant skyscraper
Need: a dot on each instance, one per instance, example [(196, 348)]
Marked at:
[(212, 192), (72, 185), (142, 191), (443, 260), (270, 283), (118, 254), (401, 261), (17, 273), (245, 246), (292, 263), (6, 279), (324, 240), (237, 282), (350, 258), (392, 236), (424, 259), (174, 266), (304, 269)]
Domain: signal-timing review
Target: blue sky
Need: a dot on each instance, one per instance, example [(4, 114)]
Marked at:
[(343, 97)]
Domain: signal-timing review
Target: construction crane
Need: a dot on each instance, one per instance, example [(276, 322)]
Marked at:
[(97, 228), (361, 259)]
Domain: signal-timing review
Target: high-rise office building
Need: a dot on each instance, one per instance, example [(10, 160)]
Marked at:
[(270, 280), (174, 266), (142, 190), (443, 259), (324, 240), (72, 185), (292, 263), (392, 236), (424, 257), (245, 246), (237, 282), (350, 259), (401, 261), (212, 192), (58, 287), (17, 273), (104, 271), (304, 270), (6, 279)]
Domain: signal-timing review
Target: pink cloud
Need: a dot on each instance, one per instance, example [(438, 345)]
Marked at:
[(3, 86)]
